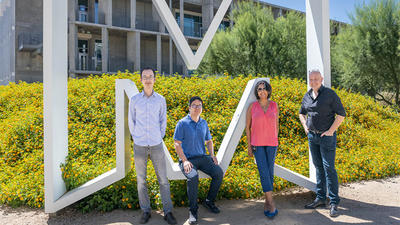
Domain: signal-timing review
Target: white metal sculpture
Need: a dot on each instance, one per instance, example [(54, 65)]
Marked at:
[(55, 100), (191, 60)]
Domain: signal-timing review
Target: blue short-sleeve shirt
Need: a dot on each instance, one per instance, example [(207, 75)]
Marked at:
[(193, 136)]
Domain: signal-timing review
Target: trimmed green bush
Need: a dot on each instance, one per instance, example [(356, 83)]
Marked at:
[(368, 140)]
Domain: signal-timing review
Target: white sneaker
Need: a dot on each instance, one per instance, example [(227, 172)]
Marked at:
[(192, 217)]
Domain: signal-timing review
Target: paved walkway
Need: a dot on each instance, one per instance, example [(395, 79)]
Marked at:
[(371, 202)]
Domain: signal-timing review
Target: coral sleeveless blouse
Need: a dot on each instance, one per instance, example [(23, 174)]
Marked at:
[(263, 125)]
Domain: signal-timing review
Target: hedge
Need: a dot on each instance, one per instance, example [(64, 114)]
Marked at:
[(368, 140)]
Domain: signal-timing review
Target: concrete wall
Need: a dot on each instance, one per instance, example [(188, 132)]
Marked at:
[(29, 26), (7, 43)]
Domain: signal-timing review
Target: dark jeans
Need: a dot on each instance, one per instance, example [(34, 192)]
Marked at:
[(206, 165), (323, 151), (265, 158)]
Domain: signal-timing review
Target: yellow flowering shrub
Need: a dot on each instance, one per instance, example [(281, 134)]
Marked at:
[(368, 140)]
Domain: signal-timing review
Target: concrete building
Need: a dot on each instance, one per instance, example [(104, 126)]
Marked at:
[(104, 36), (20, 41)]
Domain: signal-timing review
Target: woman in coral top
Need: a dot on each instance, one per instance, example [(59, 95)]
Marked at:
[(262, 127)]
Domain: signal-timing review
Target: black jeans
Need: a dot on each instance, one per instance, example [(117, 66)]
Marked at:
[(206, 165)]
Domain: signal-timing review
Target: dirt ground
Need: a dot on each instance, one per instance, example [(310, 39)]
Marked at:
[(369, 202)]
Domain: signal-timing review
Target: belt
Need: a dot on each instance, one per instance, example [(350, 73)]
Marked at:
[(316, 131)]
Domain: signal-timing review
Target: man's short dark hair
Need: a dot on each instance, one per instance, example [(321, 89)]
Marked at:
[(267, 87), (147, 68), (192, 99)]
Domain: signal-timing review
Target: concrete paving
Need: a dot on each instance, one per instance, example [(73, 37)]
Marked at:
[(366, 202)]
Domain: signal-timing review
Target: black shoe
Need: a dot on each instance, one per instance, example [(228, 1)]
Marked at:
[(316, 203), (192, 217), (210, 206), (170, 218), (333, 212), (145, 217)]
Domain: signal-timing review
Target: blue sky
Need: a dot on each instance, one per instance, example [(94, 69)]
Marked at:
[(339, 9)]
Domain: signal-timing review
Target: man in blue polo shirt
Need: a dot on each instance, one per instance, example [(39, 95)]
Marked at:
[(191, 135)]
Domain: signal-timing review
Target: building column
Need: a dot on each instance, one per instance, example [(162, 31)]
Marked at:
[(207, 11), (72, 37), (182, 25), (72, 10), (181, 14), (91, 53), (91, 11), (133, 51), (104, 50), (72, 48), (171, 60), (159, 53), (133, 13), (107, 10), (102, 11)]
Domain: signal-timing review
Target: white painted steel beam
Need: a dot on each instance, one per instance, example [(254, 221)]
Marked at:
[(318, 38), (55, 73), (191, 60), (318, 48)]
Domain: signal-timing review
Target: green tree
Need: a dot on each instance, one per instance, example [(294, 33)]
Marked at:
[(367, 53), (258, 43)]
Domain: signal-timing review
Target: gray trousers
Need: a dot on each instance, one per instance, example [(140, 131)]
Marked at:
[(157, 156)]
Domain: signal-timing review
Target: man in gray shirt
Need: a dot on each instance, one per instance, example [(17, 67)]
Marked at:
[(147, 123)]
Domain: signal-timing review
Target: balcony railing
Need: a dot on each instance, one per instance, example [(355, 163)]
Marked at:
[(191, 28), (147, 25), (118, 63), (30, 41)]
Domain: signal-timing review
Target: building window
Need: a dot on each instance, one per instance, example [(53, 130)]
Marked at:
[(83, 55), (97, 55), (192, 25), (96, 11), (224, 25), (83, 11)]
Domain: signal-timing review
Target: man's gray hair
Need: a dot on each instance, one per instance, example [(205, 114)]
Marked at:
[(315, 71)]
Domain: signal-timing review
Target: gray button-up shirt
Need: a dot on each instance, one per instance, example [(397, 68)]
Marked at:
[(147, 119)]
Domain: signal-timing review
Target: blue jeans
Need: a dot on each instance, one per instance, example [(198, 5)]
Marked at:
[(323, 151), (265, 159), (205, 164)]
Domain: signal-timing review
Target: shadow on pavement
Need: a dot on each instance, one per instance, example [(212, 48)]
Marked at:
[(243, 212)]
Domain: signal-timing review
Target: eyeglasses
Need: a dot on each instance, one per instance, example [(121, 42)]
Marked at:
[(261, 89), (147, 78), (194, 106)]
